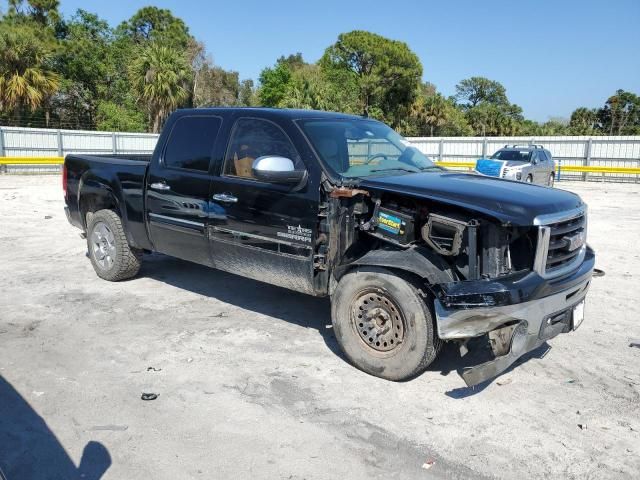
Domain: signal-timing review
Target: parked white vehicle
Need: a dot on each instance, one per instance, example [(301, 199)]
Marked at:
[(523, 163)]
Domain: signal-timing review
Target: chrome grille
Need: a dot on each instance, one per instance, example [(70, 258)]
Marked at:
[(561, 242), (565, 242)]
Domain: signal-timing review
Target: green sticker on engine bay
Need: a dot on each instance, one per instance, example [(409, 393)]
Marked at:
[(390, 223)]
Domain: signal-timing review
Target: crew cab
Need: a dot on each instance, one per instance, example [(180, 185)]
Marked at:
[(410, 254)]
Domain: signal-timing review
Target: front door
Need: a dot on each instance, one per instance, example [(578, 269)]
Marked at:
[(178, 189), (262, 230)]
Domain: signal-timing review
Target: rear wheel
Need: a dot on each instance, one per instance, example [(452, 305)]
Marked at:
[(552, 180), (529, 179), (111, 256), (383, 324)]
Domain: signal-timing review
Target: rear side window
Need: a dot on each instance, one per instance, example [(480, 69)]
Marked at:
[(191, 143), (253, 138)]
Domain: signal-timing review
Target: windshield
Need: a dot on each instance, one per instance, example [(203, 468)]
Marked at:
[(514, 155), (356, 148)]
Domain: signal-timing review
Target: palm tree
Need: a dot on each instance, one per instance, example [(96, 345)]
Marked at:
[(583, 120), (25, 79), (159, 76)]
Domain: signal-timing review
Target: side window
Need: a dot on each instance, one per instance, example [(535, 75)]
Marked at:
[(253, 138), (191, 142)]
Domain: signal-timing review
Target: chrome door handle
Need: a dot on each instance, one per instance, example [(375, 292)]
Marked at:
[(160, 186), (225, 198)]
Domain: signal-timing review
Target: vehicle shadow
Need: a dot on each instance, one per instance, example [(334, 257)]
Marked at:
[(299, 309), (29, 450), (296, 308)]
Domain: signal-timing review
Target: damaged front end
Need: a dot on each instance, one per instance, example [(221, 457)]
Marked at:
[(509, 287), (517, 312)]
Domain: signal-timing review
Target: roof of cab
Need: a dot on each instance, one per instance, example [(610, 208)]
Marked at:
[(288, 113)]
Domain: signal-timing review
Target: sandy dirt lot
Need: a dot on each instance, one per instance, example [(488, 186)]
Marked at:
[(251, 383)]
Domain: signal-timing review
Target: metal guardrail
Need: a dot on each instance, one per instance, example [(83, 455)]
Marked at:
[(559, 169), (27, 161)]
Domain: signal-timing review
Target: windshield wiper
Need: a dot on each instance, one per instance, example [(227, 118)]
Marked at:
[(392, 169)]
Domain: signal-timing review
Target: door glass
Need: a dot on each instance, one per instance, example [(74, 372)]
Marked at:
[(253, 138), (191, 142)]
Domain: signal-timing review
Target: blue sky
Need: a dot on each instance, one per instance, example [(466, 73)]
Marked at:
[(551, 55)]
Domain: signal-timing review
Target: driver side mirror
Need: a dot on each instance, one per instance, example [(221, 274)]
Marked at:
[(274, 169)]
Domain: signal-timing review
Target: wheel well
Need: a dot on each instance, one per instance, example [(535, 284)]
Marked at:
[(93, 203), (419, 264)]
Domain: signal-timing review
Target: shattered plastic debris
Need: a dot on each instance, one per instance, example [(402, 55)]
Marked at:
[(504, 381), (428, 464), (582, 426), (149, 369), (634, 343), (598, 273), (149, 396)]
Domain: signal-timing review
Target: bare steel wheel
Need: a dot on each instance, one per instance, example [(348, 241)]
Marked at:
[(378, 321), (383, 322), (103, 245)]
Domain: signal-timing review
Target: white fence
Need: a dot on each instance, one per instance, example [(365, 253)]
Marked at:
[(40, 142), (582, 151)]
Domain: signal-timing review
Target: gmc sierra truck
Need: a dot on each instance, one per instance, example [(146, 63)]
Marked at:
[(410, 254)]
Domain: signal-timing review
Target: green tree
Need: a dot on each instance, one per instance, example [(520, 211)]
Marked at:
[(473, 91), (309, 88), (488, 119), (114, 117), (583, 121), (82, 61), (386, 73), (274, 82), (44, 12), (160, 77), (435, 115), (247, 96), (293, 61), (27, 79), (216, 87), (151, 24), (621, 114)]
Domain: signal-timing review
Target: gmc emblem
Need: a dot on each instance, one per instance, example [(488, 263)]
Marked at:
[(575, 241)]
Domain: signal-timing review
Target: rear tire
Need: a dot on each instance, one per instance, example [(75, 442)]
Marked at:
[(529, 179), (383, 324), (552, 179), (111, 255)]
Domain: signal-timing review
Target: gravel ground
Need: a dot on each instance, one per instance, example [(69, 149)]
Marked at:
[(251, 383)]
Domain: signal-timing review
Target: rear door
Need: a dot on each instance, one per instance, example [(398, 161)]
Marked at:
[(263, 230), (536, 165), (177, 195)]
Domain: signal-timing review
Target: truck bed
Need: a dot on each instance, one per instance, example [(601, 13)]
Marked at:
[(109, 181)]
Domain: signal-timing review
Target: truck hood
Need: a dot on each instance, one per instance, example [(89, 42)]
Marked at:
[(514, 203)]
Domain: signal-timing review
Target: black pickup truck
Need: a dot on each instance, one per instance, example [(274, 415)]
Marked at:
[(328, 204)]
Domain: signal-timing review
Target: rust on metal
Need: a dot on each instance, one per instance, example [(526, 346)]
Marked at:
[(343, 192)]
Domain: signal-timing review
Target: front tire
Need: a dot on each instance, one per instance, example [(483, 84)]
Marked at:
[(529, 179), (383, 324), (111, 256), (552, 179)]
